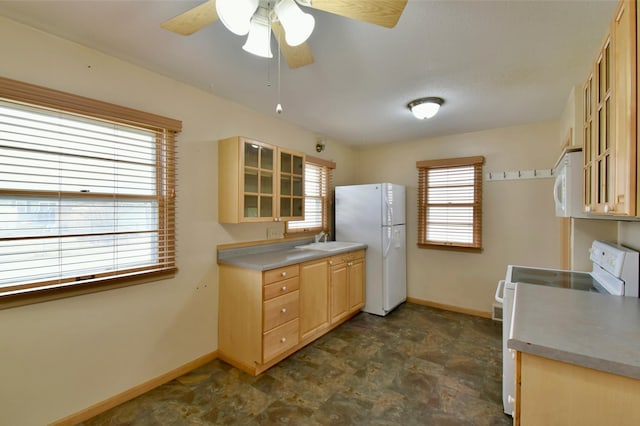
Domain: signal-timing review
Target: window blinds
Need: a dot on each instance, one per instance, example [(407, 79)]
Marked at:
[(82, 199), (317, 189), (450, 202)]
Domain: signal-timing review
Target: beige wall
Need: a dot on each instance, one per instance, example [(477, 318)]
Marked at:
[(519, 225), (63, 356)]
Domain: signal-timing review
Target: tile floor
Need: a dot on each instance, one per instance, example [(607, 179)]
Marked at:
[(417, 366)]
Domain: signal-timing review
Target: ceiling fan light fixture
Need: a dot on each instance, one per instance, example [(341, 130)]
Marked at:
[(236, 14), (297, 24), (425, 107), (259, 39)]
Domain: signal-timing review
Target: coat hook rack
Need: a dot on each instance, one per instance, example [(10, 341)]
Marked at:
[(519, 174)]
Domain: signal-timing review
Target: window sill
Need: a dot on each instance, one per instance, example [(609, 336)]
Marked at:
[(450, 247), (46, 294)]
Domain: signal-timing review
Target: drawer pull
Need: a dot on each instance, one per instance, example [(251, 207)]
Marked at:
[(284, 274), (284, 310), (284, 339), (284, 288)]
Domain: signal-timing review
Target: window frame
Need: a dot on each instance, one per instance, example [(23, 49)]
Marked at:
[(327, 199), (424, 167), (165, 130)]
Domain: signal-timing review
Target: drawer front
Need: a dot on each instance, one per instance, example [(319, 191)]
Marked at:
[(279, 310), (346, 257), (279, 340), (281, 274), (281, 287)]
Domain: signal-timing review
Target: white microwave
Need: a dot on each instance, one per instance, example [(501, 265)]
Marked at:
[(567, 190)]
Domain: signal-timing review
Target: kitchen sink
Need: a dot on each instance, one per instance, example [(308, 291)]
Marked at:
[(329, 246)]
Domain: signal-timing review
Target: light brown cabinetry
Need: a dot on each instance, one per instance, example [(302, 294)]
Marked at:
[(609, 121), (550, 392), (291, 185), (314, 298), (257, 314), (263, 317), (347, 284), (258, 182)]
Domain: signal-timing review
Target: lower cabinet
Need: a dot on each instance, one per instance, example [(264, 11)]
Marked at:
[(263, 317), (347, 284), (314, 298), (550, 392)]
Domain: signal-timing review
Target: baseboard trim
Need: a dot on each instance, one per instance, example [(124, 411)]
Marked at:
[(134, 392), (458, 309)]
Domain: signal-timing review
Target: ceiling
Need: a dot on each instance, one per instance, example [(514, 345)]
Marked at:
[(495, 63)]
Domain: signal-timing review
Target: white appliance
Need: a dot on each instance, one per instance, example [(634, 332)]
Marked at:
[(567, 190), (374, 214), (615, 272)]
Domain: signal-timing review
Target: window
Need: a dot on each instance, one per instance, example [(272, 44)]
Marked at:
[(317, 197), (450, 203), (87, 192)]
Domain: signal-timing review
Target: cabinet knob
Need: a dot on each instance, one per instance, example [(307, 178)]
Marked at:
[(284, 288), (284, 274), (284, 310), (284, 339), (350, 264), (331, 262)]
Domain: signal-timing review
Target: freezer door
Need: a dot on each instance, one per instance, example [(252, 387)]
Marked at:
[(358, 210), (394, 267)]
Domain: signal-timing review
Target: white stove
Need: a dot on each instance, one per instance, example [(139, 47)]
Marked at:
[(615, 272)]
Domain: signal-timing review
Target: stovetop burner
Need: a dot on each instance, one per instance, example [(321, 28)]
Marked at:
[(582, 281)]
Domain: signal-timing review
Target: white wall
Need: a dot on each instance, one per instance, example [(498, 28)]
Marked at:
[(519, 225), (60, 357)]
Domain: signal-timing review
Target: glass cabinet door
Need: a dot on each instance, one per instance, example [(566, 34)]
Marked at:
[(587, 134), (258, 177), (602, 132), (291, 188)]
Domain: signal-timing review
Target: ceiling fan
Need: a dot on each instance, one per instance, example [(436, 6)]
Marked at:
[(289, 23)]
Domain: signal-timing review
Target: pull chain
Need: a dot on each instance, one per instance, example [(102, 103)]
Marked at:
[(279, 106)]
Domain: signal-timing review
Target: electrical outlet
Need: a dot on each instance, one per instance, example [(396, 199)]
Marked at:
[(274, 232)]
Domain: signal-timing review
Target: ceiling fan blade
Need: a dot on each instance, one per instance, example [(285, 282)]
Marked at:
[(192, 20), (296, 56), (385, 13)]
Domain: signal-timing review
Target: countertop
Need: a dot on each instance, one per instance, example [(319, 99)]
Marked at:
[(591, 330), (271, 256)]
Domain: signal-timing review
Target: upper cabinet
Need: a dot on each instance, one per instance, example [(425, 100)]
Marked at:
[(259, 182), (609, 121), (291, 188)]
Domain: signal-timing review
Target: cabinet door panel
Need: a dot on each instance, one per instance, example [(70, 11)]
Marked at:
[(314, 297), (339, 292), (356, 285)]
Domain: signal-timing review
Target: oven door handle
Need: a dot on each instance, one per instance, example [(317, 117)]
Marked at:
[(500, 290)]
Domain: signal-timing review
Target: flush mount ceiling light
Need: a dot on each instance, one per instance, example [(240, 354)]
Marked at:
[(286, 18), (425, 107)]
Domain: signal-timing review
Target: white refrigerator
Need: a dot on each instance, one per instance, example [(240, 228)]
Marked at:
[(374, 214)]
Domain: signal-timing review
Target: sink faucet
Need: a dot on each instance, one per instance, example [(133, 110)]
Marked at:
[(320, 235)]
